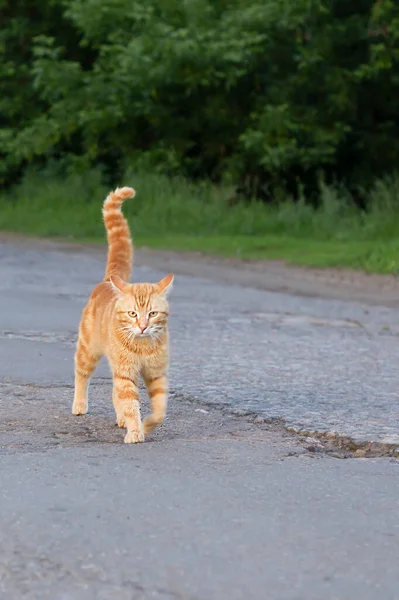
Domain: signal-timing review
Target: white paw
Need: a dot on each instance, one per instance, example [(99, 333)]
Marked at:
[(133, 437), (79, 408)]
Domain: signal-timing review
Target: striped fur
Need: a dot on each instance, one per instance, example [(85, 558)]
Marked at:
[(127, 323), (120, 247)]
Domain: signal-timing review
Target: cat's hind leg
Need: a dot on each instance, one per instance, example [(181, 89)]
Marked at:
[(85, 364), (120, 419)]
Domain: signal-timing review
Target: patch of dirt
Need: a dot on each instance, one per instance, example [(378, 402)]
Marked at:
[(37, 418), (315, 443), (344, 447)]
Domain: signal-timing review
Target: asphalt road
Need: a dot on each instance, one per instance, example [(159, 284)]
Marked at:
[(212, 506)]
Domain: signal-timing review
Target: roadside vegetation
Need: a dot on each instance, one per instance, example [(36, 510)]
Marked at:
[(264, 129), (173, 213)]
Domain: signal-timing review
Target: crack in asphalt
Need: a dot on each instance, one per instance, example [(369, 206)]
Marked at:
[(316, 443)]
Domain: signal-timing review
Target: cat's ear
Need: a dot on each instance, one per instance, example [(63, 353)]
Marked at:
[(165, 285), (118, 284)]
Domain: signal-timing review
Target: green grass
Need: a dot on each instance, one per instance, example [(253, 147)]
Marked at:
[(179, 215), (366, 256)]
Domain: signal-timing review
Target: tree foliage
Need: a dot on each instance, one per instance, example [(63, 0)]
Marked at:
[(268, 93)]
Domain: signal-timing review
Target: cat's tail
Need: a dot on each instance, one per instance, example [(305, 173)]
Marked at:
[(120, 246)]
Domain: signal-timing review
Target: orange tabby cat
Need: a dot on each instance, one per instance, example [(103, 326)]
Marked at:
[(127, 323)]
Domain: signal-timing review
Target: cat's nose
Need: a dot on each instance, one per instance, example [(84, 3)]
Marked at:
[(143, 328)]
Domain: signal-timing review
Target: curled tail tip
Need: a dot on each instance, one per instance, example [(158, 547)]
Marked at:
[(119, 195), (124, 192)]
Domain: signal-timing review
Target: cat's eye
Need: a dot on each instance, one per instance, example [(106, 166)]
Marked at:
[(153, 313), (131, 313)]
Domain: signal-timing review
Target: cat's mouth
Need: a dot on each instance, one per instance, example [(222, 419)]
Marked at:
[(142, 334)]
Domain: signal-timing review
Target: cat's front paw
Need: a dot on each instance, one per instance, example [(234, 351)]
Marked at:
[(134, 437), (79, 408)]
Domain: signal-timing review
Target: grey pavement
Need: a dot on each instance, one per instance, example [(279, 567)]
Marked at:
[(210, 508), (320, 365)]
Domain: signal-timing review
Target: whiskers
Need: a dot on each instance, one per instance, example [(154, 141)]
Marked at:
[(155, 332), (127, 334)]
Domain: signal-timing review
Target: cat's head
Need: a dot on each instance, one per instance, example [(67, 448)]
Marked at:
[(142, 308)]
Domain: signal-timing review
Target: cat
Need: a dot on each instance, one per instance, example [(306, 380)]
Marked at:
[(127, 323)]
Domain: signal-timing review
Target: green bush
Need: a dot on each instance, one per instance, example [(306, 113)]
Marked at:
[(266, 94)]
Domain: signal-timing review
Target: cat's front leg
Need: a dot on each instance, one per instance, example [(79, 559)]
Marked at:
[(157, 388), (127, 407)]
